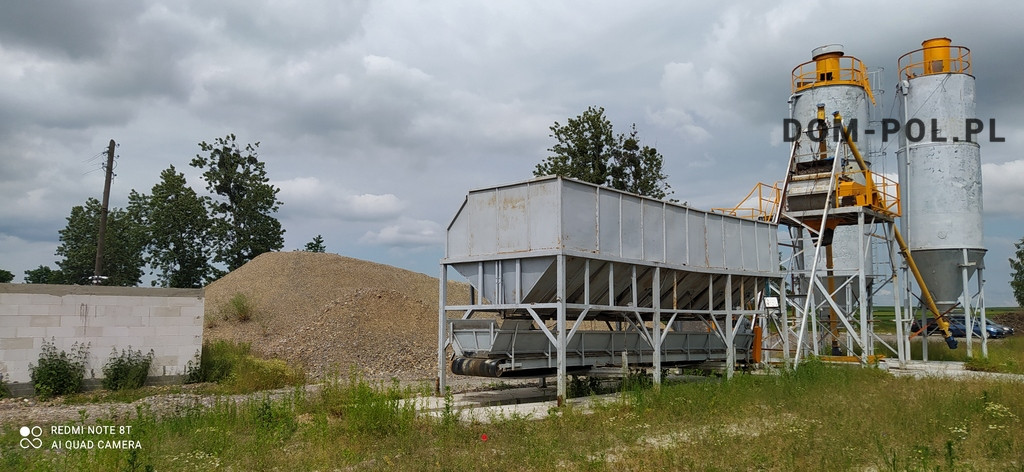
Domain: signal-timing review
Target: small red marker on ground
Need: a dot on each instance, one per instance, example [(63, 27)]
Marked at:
[(483, 437)]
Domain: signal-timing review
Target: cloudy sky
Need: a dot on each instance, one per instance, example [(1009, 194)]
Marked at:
[(376, 117)]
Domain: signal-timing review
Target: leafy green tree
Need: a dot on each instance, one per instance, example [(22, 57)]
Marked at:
[(588, 149), (43, 275), (584, 147), (177, 232), (242, 209), (638, 169), (1017, 278), (316, 245), (123, 248), (6, 276)]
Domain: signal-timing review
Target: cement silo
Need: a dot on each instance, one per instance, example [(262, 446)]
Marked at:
[(831, 84), (940, 169)]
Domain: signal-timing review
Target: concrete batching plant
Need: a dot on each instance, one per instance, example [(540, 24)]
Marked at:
[(572, 277), (838, 212)]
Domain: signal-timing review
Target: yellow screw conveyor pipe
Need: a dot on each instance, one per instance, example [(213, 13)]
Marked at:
[(940, 319)]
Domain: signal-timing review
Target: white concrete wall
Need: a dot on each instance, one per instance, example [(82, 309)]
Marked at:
[(168, 321)]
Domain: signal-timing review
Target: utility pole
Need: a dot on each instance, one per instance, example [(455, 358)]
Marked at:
[(98, 272)]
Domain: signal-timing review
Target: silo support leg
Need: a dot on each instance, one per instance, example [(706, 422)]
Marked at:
[(560, 345)]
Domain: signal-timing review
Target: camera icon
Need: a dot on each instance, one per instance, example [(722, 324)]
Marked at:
[(30, 437)]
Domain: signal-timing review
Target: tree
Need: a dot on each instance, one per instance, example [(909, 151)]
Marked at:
[(587, 149), (177, 232), (123, 248), (583, 149), (43, 275), (243, 226), (6, 276), (1017, 278), (316, 245), (637, 169)]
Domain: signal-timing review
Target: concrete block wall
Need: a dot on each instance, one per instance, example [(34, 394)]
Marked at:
[(168, 321)]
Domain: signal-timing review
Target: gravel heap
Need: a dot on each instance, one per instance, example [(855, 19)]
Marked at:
[(328, 313), (1013, 320)]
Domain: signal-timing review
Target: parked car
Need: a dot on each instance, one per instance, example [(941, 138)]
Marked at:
[(958, 327)]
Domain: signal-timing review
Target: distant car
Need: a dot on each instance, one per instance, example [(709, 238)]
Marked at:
[(992, 326), (958, 327)]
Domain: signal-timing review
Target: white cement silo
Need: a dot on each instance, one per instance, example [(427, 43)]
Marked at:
[(940, 168)]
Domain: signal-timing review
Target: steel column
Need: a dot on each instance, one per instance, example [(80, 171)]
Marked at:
[(442, 321), (730, 342), (560, 327), (656, 345), (965, 298), (979, 273)]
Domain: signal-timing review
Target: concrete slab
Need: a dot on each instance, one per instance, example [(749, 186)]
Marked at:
[(491, 405), (946, 369), (487, 406)]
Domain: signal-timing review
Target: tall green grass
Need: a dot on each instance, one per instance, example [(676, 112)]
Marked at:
[(234, 369), (1004, 355), (820, 417)]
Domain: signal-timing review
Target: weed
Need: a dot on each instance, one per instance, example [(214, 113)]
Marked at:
[(275, 420), (218, 358), (194, 370), (59, 373), (239, 308), (364, 409), (583, 386), (134, 464), (4, 391), (449, 417), (236, 370), (251, 374), (128, 370), (636, 380)]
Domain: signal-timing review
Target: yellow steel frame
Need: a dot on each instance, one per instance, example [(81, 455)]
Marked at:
[(880, 194), (848, 71), (765, 199), (933, 60)]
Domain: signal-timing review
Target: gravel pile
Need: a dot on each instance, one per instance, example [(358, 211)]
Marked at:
[(1013, 320), (328, 313)]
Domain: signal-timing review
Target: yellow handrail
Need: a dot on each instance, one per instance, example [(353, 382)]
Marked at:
[(760, 203), (881, 194), (848, 70), (943, 59)]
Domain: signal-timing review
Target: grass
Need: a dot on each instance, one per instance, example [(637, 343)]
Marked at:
[(239, 308), (1004, 355), (820, 417), (226, 367), (235, 370), (120, 396)]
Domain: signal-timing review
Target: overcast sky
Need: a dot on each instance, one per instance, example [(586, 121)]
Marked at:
[(376, 117)]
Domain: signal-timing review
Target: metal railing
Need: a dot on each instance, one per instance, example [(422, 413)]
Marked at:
[(882, 194), (851, 71), (915, 63), (760, 204)]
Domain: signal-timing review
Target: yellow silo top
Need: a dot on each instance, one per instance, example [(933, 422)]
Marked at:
[(829, 66), (936, 56)]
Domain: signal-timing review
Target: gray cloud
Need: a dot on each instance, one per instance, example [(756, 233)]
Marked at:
[(66, 28), (376, 117)]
